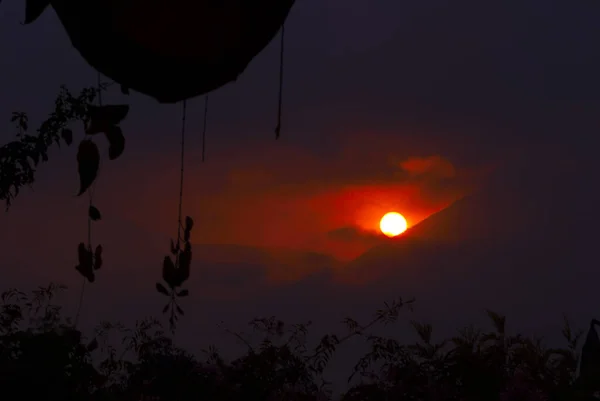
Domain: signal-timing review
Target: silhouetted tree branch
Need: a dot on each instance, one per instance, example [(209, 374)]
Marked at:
[(19, 159)]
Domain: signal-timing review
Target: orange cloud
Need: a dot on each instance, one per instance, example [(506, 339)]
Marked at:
[(350, 233), (271, 195), (278, 195), (250, 177), (432, 166)]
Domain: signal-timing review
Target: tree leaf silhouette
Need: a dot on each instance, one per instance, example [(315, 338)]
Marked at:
[(169, 272), (85, 258), (84, 255), (88, 160), (185, 261), (166, 308), (98, 257), (67, 110), (103, 118), (189, 224), (35, 156), (161, 288), (94, 213), (183, 293), (174, 249), (92, 345), (42, 150), (116, 142), (67, 136), (33, 9), (81, 250), (180, 310), (498, 320)]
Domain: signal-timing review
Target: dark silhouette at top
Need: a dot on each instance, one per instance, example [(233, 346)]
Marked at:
[(171, 50)]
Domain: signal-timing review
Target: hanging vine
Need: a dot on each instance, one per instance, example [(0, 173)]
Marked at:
[(204, 128), (85, 251), (100, 119), (280, 97), (176, 273)]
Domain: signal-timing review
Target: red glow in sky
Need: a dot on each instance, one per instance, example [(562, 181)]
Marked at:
[(291, 199)]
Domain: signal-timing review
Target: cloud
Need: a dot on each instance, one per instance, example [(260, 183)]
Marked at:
[(287, 197), (250, 178), (433, 167), (294, 198), (352, 233), (232, 275)]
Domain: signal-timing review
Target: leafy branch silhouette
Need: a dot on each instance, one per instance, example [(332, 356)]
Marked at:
[(19, 159), (89, 261), (177, 272)]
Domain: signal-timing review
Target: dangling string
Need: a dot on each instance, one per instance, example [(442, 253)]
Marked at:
[(204, 128), (179, 225), (89, 220), (278, 128)]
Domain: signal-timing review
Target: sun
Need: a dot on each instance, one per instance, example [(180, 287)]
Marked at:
[(392, 224)]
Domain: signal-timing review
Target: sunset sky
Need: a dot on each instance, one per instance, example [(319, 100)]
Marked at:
[(388, 105)]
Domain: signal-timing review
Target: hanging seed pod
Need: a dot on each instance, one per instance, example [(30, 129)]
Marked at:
[(168, 49)]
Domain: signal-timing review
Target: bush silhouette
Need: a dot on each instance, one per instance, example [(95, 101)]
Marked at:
[(42, 356)]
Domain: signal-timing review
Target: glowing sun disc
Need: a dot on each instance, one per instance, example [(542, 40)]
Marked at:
[(393, 224)]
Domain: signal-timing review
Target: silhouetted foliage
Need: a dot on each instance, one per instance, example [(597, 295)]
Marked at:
[(94, 213), (177, 272), (16, 171), (42, 356), (89, 261), (20, 158)]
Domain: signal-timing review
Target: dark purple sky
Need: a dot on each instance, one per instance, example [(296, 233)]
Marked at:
[(387, 105)]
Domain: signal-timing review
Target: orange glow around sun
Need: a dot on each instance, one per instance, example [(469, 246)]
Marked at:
[(393, 224)]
